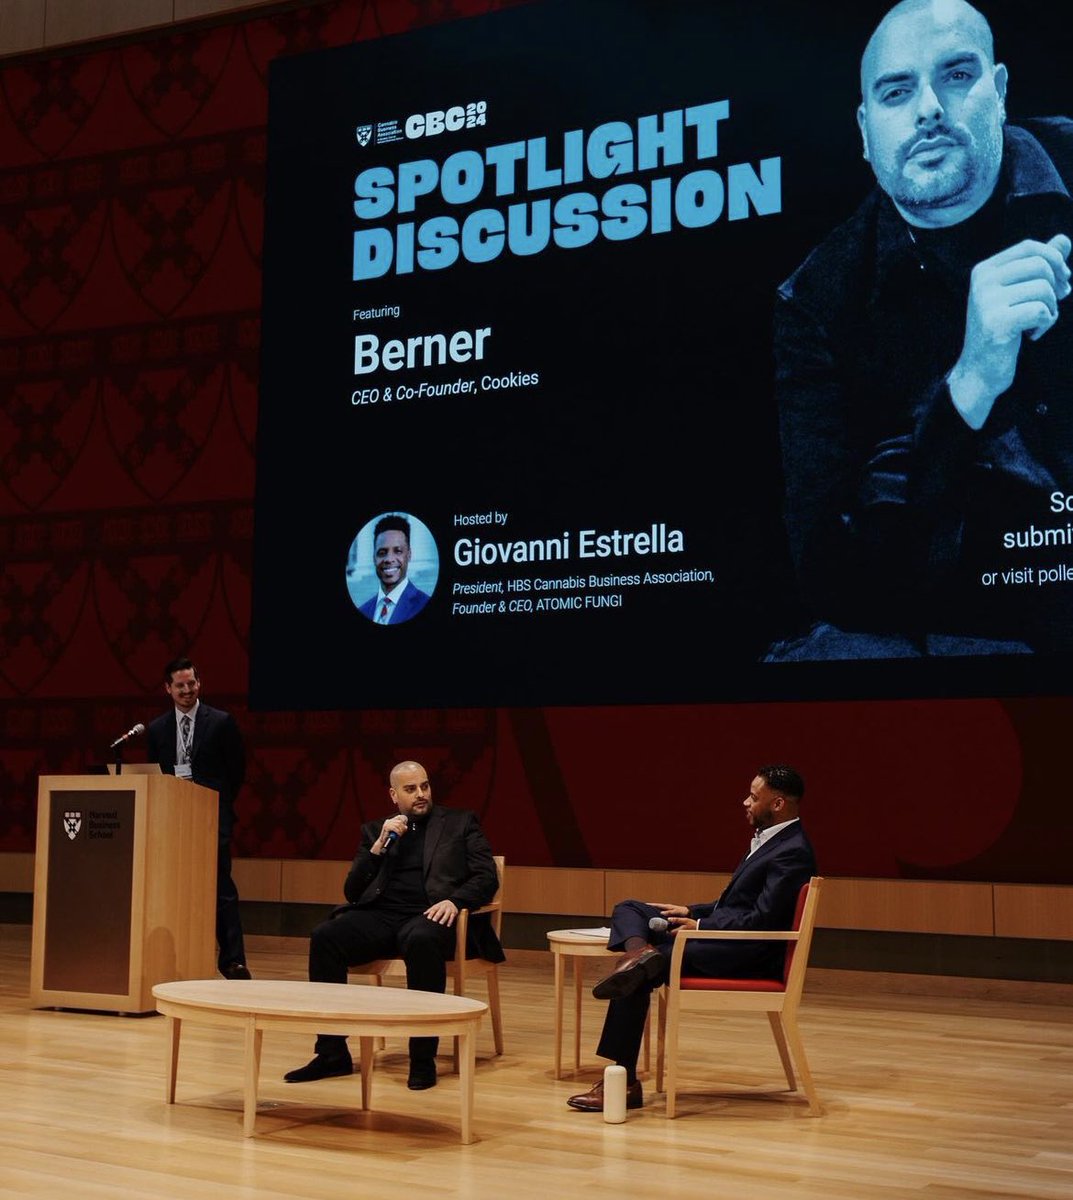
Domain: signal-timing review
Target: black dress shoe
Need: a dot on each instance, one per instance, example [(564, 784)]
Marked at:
[(422, 1075), (631, 972), (322, 1066), (236, 970), (593, 1099)]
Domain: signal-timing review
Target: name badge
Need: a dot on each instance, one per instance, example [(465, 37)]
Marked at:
[(183, 771)]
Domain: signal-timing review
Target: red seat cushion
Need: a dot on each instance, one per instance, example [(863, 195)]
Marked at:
[(700, 984)]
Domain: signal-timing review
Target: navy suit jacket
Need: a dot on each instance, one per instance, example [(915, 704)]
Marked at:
[(217, 755), (458, 867), (762, 894), (408, 605)]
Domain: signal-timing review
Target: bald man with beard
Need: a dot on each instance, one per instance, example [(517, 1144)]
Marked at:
[(924, 361), (413, 871)]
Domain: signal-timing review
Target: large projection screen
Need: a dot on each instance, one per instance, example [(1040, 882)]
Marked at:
[(600, 302)]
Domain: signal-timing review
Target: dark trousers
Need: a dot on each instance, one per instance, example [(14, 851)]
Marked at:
[(358, 935), (624, 1024), (228, 922)]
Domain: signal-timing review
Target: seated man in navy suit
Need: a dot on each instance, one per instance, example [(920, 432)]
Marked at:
[(397, 599), (762, 894)]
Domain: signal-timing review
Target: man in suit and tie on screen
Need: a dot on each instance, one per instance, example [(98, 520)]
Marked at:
[(193, 741), (762, 894), (397, 599)]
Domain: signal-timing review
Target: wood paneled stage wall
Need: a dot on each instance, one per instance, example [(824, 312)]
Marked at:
[(131, 194)]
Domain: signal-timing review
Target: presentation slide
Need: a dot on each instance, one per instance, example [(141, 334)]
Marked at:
[(630, 352)]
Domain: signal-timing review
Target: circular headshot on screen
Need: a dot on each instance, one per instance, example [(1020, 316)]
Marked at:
[(392, 568)]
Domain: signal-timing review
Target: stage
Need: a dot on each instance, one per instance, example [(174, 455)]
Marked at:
[(926, 1096)]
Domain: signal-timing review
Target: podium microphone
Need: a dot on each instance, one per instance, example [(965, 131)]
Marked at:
[(136, 731)]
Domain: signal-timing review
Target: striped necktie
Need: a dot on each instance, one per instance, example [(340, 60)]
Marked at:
[(184, 739)]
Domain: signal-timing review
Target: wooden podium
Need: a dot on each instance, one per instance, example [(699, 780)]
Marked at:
[(124, 889)]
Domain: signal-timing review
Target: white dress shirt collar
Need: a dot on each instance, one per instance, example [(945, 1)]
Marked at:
[(765, 835)]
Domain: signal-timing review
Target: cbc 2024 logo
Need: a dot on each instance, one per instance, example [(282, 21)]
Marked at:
[(427, 124), (467, 116)]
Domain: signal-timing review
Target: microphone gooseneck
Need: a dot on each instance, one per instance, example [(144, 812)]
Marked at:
[(135, 731)]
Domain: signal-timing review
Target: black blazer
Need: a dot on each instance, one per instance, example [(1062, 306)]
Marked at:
[(761, 894), (458, 867), (217, 755)]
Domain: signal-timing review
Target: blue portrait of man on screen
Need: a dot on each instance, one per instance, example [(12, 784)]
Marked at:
[(397, 598), (920, 352)]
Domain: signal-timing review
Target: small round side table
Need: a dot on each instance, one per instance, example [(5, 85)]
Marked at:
[(564, 944)]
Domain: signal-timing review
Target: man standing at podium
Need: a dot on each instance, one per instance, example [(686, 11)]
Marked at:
[(193, 741)]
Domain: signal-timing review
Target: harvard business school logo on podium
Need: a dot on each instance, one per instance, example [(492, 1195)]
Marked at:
[(72, 823)]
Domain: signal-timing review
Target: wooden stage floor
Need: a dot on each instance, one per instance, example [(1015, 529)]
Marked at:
[(940, 1098)]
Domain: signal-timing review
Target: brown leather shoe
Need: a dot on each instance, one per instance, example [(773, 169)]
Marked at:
[(593, 1099), (633, 969)]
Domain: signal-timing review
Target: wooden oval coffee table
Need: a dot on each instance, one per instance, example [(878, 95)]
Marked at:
[(254, 1005)]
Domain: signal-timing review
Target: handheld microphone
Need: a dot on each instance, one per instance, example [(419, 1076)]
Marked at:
[(659, 924), (392, 837), (136, 731)]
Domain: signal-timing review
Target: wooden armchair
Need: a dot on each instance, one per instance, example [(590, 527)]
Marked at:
[(461, 968), (779, 998)]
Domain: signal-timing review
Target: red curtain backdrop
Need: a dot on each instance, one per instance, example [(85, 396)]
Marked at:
[(131, 196)]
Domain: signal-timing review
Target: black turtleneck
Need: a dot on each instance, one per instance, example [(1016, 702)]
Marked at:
[(953, 251), (406, 889)]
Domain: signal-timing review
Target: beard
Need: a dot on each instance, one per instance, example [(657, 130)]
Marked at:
[(967, 169), (939, 188)]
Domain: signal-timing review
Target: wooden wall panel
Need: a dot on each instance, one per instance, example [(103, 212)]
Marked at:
[(187, 9), (674, 887), (319, 882), (894, 905), (69, 21), (908, 906), (258, 878), (1033, 912), (554, 890), (22, 25), (16, 872), (28, 25)]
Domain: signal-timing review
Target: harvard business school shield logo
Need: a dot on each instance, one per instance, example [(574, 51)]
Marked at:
[(72, 823), (364, 134)]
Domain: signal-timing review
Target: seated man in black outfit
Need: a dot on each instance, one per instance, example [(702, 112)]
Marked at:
[(412, 874), (762, 894)]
